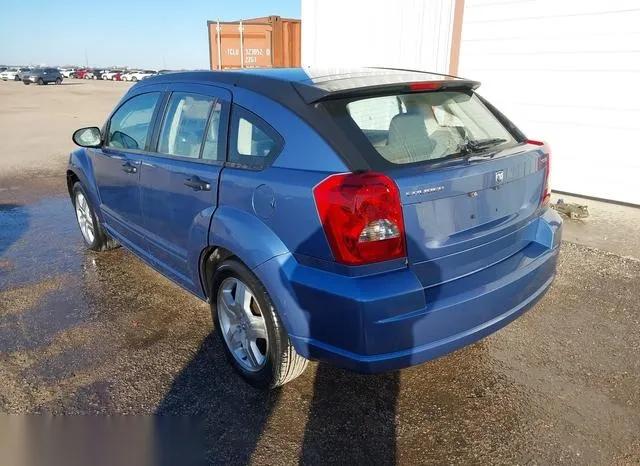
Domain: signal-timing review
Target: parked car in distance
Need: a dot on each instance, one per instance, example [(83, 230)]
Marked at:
[(372, 219), (67, 72), (42, 76), (110, 73), (10, 74), (95, 74), (13, 74), (138, 75), (79, 73), (23, 71)]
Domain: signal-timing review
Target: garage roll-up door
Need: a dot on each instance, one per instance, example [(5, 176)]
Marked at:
[(568, 72)]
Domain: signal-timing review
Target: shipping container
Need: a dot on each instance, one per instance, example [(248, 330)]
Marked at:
[(268, 42)]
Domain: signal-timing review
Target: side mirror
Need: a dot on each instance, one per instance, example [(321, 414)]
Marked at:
[(88, 137)]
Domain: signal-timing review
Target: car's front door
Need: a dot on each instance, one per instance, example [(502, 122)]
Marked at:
[(116, 167), (179, 182)]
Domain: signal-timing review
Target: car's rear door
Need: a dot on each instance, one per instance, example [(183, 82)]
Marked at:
[(179, 181), (116, 166)]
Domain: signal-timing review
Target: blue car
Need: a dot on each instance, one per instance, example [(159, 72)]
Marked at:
[(372, 219)]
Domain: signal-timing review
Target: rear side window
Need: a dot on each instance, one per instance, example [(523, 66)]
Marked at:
[(421, 127), (184, 124), (129, 125), (254, 143)]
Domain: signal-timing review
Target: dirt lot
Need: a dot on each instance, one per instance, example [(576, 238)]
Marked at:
[(88, 333)]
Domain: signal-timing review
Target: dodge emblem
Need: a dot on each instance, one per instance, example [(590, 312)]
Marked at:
[(499, 176)]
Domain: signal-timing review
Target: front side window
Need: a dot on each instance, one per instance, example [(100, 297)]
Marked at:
[(421, 127), (129, 126), (184, 124)]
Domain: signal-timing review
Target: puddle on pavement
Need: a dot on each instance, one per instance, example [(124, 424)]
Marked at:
[(38, 240), (53, 292)]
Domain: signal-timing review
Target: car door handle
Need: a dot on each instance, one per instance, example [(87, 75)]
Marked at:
[(128, 167), (197, 184)]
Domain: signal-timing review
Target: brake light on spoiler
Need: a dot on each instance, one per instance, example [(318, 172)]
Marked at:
[(421, 86), (425, 86)]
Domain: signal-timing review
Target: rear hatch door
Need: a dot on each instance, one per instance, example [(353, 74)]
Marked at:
[(464, 217)]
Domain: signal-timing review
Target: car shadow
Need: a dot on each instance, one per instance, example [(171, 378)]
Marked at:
[(351, 418), (210, 414)]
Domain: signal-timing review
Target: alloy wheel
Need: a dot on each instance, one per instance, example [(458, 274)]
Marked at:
[(85, 219), (242, 324)]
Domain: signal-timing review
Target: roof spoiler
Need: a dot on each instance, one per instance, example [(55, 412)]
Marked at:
[(314, 93)]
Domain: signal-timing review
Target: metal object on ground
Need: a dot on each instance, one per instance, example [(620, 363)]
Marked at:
[(572, 210)]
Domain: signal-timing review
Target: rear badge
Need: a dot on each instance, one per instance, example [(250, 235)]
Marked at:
[(429, 190), (499, 176)]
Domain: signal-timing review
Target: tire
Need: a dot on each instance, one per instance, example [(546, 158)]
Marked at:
[(26, 83), (98, 240), (134, 79), (40, 82), (58, 81), (280, 363), (16, 78)]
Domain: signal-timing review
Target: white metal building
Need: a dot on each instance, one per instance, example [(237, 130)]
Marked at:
[(563, 70)]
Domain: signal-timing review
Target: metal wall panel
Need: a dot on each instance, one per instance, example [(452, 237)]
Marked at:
[(564, 71), (414, 34)]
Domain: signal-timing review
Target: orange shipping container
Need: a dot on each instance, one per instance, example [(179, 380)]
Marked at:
[(269, 42)]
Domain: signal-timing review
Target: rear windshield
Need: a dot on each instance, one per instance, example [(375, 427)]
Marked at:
[(422, 127)]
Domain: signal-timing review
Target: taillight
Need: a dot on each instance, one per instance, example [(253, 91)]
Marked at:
[(362, 217), (544, 162)]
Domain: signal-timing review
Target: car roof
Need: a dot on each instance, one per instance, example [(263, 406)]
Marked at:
[(314, 84)]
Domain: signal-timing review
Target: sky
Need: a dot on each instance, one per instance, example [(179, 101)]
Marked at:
[(152, 34)]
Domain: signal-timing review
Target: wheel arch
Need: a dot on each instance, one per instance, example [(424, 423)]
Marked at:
[(80, 169), (238, 234), (210, 259)]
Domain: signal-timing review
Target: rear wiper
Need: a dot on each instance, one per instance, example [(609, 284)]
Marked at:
[(471, 146)]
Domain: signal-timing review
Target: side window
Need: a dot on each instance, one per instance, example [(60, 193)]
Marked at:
[(213, 145), (129, 126), (254, 144), (184, 124)]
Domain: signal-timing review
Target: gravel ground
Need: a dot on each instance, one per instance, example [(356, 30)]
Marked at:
[(101, 333)]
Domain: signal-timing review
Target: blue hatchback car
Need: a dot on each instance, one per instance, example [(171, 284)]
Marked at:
[(372, 219)]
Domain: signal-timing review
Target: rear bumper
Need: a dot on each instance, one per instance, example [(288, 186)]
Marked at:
[(389, 321)]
